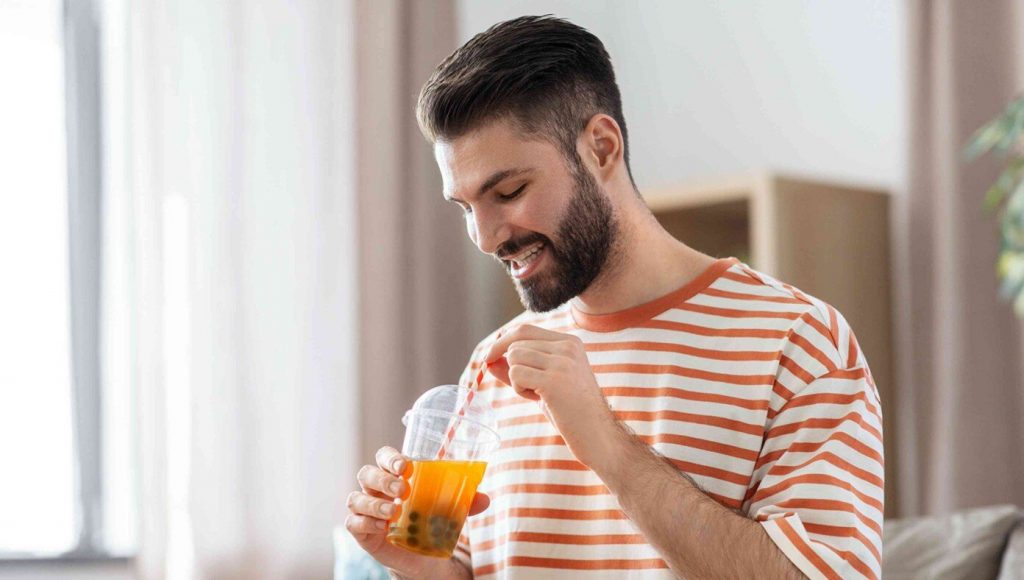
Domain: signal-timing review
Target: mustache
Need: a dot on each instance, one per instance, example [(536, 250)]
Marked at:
[(513, 247)]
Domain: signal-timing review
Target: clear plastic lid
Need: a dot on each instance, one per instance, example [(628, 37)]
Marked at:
[(449, 416)]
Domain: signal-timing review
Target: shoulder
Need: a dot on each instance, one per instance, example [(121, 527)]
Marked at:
[(819, 344), (812, 321)]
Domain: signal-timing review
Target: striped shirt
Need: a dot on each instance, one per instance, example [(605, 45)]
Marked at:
[(756, 390)]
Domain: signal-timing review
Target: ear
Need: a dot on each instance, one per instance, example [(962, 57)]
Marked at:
[(601, 146)]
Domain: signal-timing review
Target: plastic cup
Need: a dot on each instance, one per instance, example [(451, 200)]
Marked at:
[(431, 515)]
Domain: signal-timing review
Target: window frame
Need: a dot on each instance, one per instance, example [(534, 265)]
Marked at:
[(82, 103)]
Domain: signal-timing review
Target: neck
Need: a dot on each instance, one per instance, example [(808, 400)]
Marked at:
[(646, 263)]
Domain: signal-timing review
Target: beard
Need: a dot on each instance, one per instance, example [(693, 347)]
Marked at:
[(586, 235)]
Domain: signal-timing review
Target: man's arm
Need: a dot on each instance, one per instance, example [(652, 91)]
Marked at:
[(449, 570), (821, 474), (697, 536)]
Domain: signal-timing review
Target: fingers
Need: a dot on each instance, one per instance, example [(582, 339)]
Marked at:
[(389, 459), (364, 525), (523, 332), (521, 354), (499, 370), (364, 504), (523, 378), (378, 482), (481, 501)]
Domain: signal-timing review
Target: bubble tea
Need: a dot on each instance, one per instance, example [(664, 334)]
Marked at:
[(448, 436)]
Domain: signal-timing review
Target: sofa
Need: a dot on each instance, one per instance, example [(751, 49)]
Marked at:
[(981, 543), (976, 544)]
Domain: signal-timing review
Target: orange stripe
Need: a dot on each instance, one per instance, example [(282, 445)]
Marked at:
[(796, 292), (547, 513), (557, 464), (650, 369), (815, 479), (733, 313), (712, 472), (829, 457), (812, 321), (755, 275), (853, 354), (653, 392), (564, 564), (522, 420), (730, 355), (855, 562), (699, 419), (780, 389), (801, 545), (694, 442), (797, 370), (753, 297), (843, 532), (742, 279), (562, 539), (551, 488), (651, 416), (677, 393), (831, 505), (842, 400), (714, 446), (532, 442), (833, 324), (808, 447), (812, 350), (716, 332), (853, 417)]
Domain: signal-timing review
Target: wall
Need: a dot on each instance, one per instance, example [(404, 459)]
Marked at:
[(712, 88)]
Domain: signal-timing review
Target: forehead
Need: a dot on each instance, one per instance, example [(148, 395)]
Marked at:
[(467, 162)]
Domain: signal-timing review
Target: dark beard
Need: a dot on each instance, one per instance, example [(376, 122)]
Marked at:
[(586, 236)]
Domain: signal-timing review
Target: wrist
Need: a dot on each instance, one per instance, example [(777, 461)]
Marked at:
[(617, 448)]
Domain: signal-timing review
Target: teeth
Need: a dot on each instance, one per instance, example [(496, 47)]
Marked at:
[(522, 261)]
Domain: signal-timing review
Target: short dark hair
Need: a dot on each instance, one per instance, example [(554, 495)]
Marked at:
[(546, 75)]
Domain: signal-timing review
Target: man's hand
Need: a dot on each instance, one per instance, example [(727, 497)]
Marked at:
[(372, 507), (552, 368)]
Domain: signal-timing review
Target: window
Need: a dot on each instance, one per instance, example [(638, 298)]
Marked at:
[(50, 487)]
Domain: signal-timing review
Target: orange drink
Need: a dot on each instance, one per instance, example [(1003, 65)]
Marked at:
[(435, 509)]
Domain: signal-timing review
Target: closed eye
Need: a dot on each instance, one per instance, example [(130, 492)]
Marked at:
[(513, 195)]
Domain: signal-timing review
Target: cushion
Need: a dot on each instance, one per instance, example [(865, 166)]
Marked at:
[(966, 544), (1013, 556)]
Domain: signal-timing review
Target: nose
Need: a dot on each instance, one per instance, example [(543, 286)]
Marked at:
[(488, 230)]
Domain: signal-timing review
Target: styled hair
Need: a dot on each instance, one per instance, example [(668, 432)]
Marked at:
[(545, 75)]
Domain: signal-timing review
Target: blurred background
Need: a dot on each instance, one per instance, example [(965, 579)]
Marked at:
[(227, 269)]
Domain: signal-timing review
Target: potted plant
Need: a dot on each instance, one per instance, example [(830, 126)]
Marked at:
[(1005, 136)]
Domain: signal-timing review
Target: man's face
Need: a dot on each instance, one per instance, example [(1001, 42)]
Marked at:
[(547, 221)]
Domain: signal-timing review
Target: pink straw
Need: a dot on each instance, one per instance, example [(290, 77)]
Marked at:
[(473, 388)]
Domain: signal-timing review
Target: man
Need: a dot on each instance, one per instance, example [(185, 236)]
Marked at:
[(661, 412)]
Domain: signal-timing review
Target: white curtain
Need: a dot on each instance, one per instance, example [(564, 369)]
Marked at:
[(231, 224)]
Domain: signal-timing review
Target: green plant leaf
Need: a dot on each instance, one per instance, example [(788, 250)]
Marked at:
[(1013, 123), (985, 139), (1009, 180)]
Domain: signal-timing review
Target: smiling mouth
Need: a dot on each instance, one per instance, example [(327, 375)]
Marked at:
[(523, 264)]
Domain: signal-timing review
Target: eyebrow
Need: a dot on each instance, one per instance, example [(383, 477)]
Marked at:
[(495, 178)]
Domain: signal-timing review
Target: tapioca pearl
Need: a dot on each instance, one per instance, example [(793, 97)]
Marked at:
[(413, 516), (414, 529)]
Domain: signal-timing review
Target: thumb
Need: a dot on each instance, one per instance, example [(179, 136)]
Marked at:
[(481, 501), (499, 370)]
